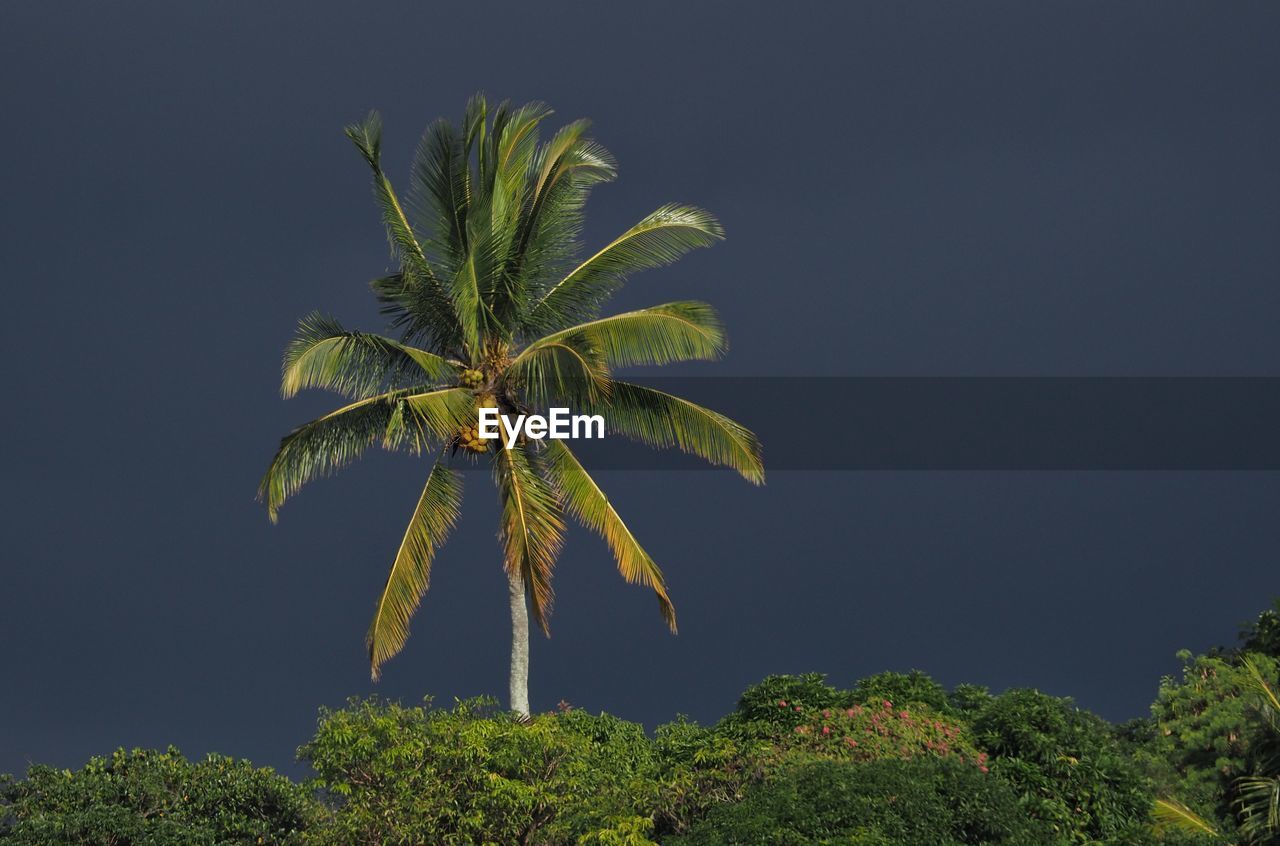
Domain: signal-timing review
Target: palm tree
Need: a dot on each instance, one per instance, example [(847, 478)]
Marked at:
[(492, 307)]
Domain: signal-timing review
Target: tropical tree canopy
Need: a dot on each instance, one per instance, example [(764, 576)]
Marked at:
[(495, 304)]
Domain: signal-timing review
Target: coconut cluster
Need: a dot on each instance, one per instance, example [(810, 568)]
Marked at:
[(471, 378), (469, 436), (469, 439)]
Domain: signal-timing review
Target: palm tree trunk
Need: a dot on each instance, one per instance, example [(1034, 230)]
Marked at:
[(519, 684)]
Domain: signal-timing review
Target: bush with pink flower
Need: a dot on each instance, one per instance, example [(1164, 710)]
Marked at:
[(878, 730)]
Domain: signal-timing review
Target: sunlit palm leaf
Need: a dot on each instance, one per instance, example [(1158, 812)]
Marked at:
[(439, 413), (324, 446), (435, 515), (659, 239), (551, 233), (584, 499), (324, 355), (569, 370), (662, 420), (532, 529), (680, 331), (1170, 815), (1259, 804), (329, 443)]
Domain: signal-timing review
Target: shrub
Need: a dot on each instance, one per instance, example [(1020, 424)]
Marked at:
[(153, 798), (885, 803)]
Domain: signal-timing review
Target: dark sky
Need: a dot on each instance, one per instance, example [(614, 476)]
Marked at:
[(909, 189)]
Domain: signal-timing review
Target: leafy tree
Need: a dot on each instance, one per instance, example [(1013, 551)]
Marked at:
[(1262, 635), (494, 309), (1070, 771), (152, 798), (1205, 730), (1254, 796), (885, 803), (1258, 792)]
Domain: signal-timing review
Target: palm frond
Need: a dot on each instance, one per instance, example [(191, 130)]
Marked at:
[(1258, 683), (679, 331), (662, 420), (1170, 815), (324, 446), (515, 213), (1258, 801), (587, 503), (659, 239), (438, 316), (439, 191), (439, 413), (569, 369), (532, 528), (429, 526), (551, 228), (324, 355)]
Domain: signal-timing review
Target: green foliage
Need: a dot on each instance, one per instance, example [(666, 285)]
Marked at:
[(153, 798), (968, 700), (885, 803), (798, 761), (701, 768), (1068, 769), (476, 775)]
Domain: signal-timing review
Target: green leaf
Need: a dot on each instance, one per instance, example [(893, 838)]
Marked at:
[(587, 503), (659, 239), (433, 518), (662, 420), (329, 443), (324, 355), (441, 319), (679, 331), (532, 527), (1171, 815)]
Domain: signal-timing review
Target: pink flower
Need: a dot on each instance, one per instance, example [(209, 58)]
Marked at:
[(851, 741), (826, 730), (826, 712), (888, 706), (850, 713), (904, 715), (782, 703), (984, 769), (798, 709)]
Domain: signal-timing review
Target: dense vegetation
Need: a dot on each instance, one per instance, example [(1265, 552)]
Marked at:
[(896, 759)]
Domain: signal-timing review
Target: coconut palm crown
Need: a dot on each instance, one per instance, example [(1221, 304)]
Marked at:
[(492, 305)]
